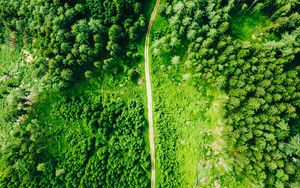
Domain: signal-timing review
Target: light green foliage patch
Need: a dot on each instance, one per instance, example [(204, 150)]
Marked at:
[(251, 27)]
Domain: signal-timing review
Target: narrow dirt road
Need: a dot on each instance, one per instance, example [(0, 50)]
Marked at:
[(149, 95)]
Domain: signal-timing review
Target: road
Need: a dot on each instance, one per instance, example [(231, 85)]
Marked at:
[(149, 95)]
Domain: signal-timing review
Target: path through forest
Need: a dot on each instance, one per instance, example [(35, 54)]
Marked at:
[(149, 94)]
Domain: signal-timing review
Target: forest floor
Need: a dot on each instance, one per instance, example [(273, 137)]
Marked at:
[(149, 95)]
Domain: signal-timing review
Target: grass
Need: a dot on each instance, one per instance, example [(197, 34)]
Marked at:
[(251, 27), (185, 107)]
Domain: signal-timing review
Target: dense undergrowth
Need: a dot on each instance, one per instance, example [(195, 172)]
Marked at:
[(87, 141)]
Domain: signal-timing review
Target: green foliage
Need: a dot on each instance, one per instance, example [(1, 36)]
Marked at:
[(70, 36), (52, 138), (17, 87), (97, 143), (250, 27), (261, 81), (187, 117), (87, 137)]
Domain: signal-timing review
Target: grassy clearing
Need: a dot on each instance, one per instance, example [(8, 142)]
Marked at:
[(251, 27), (184, 108), (47, 111), (189, 125)]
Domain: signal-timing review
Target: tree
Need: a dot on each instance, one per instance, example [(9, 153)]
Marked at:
[(88, 74), (137, 8), (95, 26), (175, 60), (66, 74), (293, 147), (174, 42), (191, 35), (115, 33), (178, 7)]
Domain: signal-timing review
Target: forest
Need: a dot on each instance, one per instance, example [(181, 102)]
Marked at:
[(225, 81), (62, 123), (250, 50), (71, 39)]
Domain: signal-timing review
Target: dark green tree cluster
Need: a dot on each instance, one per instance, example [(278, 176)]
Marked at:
[(102, 146), (261, 80), (73, 37), (2, 31)]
